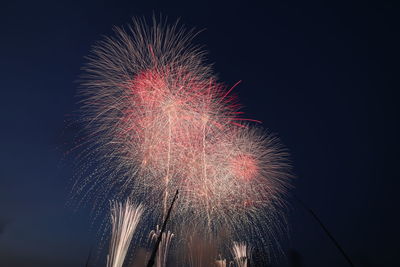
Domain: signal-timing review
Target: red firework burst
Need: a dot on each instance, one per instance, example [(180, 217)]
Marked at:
[(162, 122)]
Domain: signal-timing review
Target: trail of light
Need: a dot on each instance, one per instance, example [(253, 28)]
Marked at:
[(162, 252), (124, 220), (241, 254), (230, 90), (168, 166)]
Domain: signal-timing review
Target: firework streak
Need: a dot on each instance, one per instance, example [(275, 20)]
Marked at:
[(241, 253), (124, 220), (158, 120), (162, 252)]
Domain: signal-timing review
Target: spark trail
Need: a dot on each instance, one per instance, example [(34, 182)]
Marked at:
[(241, 254), (162, 253), (124, 220)]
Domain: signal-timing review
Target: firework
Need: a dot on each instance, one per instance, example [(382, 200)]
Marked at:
[(162, 253), (158, 120), (124, 220), (241, 254), (239, 174), (148, 98)]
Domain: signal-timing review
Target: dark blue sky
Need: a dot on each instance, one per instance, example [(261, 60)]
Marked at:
[(318, 75)]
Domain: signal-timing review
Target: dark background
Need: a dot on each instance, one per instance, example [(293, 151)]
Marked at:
[(318, 74)]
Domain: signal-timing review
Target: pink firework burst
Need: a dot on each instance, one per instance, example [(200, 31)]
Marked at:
[(159, 120)]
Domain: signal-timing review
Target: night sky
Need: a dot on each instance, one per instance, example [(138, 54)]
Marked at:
[(318, 75)]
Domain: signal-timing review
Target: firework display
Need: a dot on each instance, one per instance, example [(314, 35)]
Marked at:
[(158, 120), (124, 220)]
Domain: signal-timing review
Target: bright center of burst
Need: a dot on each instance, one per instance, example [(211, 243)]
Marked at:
[(244, 167)]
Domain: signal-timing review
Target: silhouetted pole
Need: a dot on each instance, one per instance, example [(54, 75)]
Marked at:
[(88, 258), (326, 231), (153, 254)]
